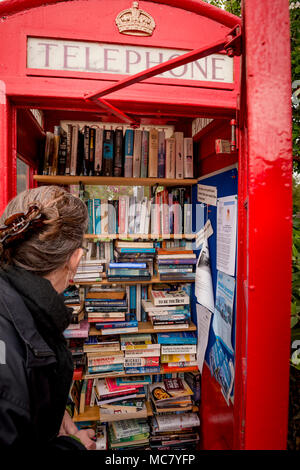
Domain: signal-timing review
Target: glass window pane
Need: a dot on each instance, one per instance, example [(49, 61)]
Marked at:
[(22, 176)]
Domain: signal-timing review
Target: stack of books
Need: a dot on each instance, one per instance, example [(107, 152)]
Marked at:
[(91, 270), (142, 354), (178, 350), (169, 316), (129, 405), (103, 355), (176, 264), (81, 330), (75, 345), (168, 309), (133, 261), (172, 431), (129, 434), (171, 395), (110, 391)]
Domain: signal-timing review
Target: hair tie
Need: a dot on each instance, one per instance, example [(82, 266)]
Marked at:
[(17, 225)]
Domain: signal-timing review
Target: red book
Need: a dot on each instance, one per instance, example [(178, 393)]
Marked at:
[(88, 394), (77, 373)]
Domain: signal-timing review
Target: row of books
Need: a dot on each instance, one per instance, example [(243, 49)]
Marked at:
[(169, 211), (94, 151)]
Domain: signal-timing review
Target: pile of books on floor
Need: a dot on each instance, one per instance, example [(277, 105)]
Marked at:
[(129, 434), (176, 264), (168, 309), (142, 354), (172, 431), (107, 311), (90, 270), (119, 396), (178, 350), (133, 261)]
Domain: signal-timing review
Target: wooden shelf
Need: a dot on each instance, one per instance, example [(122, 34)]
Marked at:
[(94, 414), (146, 327), (153, 280), (144, 236), (123, 374), (113, 180)]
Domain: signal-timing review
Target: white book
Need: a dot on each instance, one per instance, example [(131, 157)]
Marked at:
[(170, 157), (179, 349), (188, 165), (74, 149), (170, 422), (171, 327), (141, 352), (119, 331), (177, 256)]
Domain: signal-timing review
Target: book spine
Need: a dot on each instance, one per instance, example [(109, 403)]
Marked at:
[(180, 349), (69, 146), (56, 141), (98, 151), (118, 161), (113, 331), (62, 153), (142, 370), (137, 147), (97, 216), (144, 154), (161, 163), (188, 163), (80, 154), (108, 152), (104, 216), (170, 157), (141, 362), (105, 368), (179, 154), (102, 361), (74, 149), (128, 153), (153, 153), (86, 150), (92, 140)]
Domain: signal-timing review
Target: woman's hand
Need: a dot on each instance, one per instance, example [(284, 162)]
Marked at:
[(85, 436)]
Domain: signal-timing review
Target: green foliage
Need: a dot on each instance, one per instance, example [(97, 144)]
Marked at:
[(232, 6), (295, 62), (295, 310)]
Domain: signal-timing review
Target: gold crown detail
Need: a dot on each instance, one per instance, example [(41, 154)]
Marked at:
[(135, 22)]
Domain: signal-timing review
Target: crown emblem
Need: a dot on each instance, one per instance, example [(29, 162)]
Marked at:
[(135, 22)]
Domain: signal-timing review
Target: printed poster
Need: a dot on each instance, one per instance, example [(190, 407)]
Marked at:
[(203, 323), (226, 234), (222, 369), (223, 315), (203, 280)]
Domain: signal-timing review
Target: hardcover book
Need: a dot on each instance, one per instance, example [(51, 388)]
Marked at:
[(118, 160), (108, 152), (144, 154), (170, 157), (188, 163), (161, 159), (137, 147), (98, 151), (179, 154), (128, 153), (153, 153), (92, 143)]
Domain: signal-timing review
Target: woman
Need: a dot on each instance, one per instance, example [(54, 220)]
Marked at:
[(41, 233)]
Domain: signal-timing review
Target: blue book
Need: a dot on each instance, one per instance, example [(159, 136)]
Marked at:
[(128, 153), (137, 250), (180, 337), (141, 370), (97, 216), (116, 324), (146, 379), (108, 152), (106, 368), (128, 265), (90, 216)]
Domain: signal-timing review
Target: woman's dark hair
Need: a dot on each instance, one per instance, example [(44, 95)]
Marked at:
[(50, 246)]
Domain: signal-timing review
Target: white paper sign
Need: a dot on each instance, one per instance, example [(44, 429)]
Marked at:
[(203, 323), (203, 280), (226, 234), (205, 232), (207, 194)]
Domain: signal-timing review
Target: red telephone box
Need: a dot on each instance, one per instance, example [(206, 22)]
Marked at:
[(73, 61)]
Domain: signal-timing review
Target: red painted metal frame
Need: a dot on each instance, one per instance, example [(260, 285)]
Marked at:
[(265, 231), (263, 280)]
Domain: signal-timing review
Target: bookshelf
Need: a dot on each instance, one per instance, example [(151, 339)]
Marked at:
[(141, 236), (113, 180), (154, 280)]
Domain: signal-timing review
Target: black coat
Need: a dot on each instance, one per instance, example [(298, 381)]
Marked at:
[(27, 365)]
